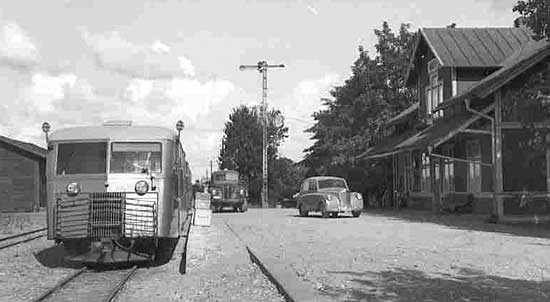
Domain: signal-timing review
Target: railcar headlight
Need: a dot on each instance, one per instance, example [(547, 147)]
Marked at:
[(73, 188), (141, 187), (358, 196)]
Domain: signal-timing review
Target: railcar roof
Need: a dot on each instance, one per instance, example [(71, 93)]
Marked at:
[(112, 133)]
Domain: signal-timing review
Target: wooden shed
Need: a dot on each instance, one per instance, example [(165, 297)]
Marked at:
[(22, 176)]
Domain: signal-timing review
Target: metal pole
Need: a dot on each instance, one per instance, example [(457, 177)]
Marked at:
[(264, 137), (262, 67)]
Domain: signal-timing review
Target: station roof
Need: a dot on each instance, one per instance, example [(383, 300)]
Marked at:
[(470, 47), (523, 59)]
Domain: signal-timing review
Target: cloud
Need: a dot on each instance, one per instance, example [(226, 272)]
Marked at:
[(17, 49), (312, 10), (154, 61)]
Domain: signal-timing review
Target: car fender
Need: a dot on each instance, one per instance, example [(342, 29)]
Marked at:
[(356, 203)]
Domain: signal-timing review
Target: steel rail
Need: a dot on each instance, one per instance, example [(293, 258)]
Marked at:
[(59, 285), (112, 292), (22, 234), (120, 284), (21, 241)]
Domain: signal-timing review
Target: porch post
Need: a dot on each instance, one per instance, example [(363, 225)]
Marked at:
[(547, 163), (498, 206), (435, 189)]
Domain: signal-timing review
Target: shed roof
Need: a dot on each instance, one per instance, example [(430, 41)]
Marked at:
[(26, 147), (521, 60), (113, 133)]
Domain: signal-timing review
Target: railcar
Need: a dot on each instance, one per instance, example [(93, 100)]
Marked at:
[(117, 192), (228, 190)]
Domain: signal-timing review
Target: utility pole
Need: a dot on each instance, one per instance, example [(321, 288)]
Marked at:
[(262, 67)]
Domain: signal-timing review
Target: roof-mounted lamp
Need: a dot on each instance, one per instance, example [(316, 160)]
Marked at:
[(46, 128)]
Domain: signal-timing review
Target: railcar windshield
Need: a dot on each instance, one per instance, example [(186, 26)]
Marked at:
[(81, 158), (332, 183), (135, 157)]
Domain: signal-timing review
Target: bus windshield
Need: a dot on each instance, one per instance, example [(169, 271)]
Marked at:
[(135, 157), (81, 158)]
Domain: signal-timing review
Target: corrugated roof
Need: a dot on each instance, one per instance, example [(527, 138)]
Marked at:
[(402, 115), (27, 147), (517, 63), (474, 47), (112, 133), (470, 47)]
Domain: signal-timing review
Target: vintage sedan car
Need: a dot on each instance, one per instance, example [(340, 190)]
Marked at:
[(328, 195)]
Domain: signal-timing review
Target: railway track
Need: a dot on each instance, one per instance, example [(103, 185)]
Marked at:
[(16, 239), (89, 285)]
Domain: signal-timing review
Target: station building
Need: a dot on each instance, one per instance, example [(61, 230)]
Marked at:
[(465, 143)]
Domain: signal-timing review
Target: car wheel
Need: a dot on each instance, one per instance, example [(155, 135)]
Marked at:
[(356, 213), (303, 212), (334, 214)]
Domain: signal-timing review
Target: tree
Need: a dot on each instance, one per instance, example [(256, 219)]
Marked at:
[(242, 144), (535, 14), (285, 177), (353, 117)]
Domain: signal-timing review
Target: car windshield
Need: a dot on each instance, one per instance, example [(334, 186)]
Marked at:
[(81, 158), (135, 157), (331, 183)]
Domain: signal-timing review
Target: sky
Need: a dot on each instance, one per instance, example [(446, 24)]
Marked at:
[(156, 62)]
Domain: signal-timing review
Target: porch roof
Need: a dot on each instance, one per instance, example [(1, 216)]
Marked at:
[(402, 115), (386, 146), (438, 133)]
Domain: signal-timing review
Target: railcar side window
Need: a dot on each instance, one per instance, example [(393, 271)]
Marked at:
[(135, 157), (81, 158)]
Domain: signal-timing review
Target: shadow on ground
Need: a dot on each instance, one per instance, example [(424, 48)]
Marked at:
[(319, 216), (466, 221), (414, 285)]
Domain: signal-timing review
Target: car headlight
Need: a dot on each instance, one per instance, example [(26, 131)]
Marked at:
[(141, 187), (329, 197), (73, 188), (213, 192), (241, 192), (358, 196)]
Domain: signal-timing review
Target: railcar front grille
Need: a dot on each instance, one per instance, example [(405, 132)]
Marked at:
[(107, 215)]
